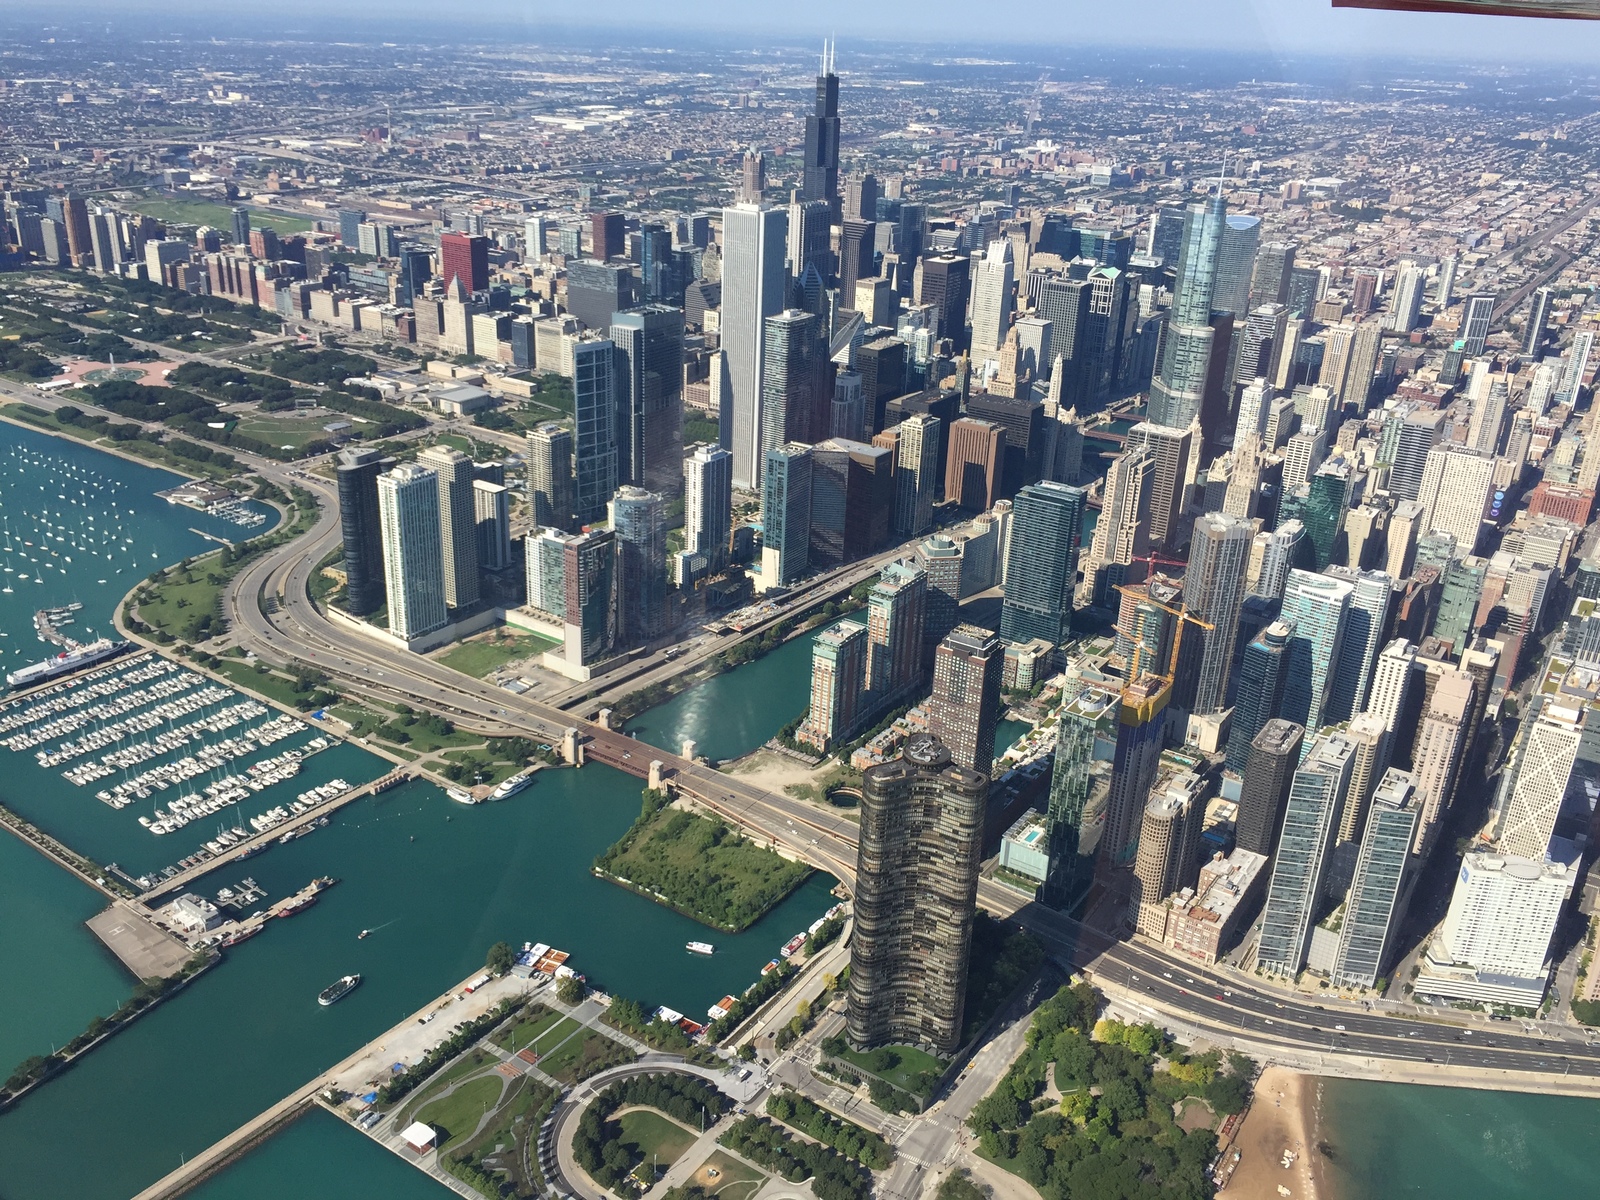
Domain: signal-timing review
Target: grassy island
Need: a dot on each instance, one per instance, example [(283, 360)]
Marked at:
[(699, 866)]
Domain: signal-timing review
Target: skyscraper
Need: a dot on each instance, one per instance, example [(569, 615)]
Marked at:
[(1543, 772), (491, 506), (465, 257), (1310, 821), (594, 456), (1236, 260), (1179, 386), (596, 290), (1169, 839), (241, 229), (1409, 286), (973, 463), (1286, 548), (945, 283), (1213, 590), (1374, 909), (916, 890), (1086, 724), (638, 519), (1269, 770), (362, 530), (413, 563), (1142, 723), (991, 300), (1441, 742), (458, 523), (1475, 319), (838, 686), (550, 476), (1170, 448), (794, 406), (786, 514), (1455, 490), (819, 178), (589, 579), (708, 504), (896, 607), (1260, 692), (1315, 607), (1406, 445), (607, 235), (1366, 619), (753, 287), (1046, 529), (965, 706), (916, 474), (649, 393)]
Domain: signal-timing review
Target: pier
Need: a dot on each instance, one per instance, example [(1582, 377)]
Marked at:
[(260, 841), (146, 949)]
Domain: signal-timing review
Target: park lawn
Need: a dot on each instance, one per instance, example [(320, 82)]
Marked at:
[(218, 216), (702, 868), (913, 1062), (465, 1065), (267, 683), (653, 1137), (734, 1179), (584, 1055), (181, 597), (526, 1030), (425, 742), (554, 1036), (458, 1113), (284, 431), (524, 1096), (482, 656), (493, 770)]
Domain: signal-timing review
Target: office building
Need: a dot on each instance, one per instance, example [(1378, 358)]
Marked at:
[(795, 404), (1436, 755), (1544, 769), (1475, 318), (974, 463), (991, 300), (1310, 821), (808, 240), (819, 176), (916, 889), (594, 446), (838, 686), (964, 709), (491, 506), (786, 515), (946, 282), (1179, 387), (1045, 533), (1494, 944), (607, 235), (413, 561), (597, 289), (1366, 619), (649, 397), (550, 483), (1264, 793), (754, 283), (852, 501), (1377, 894), (361, 526), (465, 257), (1260, 691), (1213, 591), (1170, 448), (458, 523), (589, 610), (1169, 841), (896, 607), (1315, 606), (916, 474), (708, 504)]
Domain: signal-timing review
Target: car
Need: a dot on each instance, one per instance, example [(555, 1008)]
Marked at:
[(1319, 1008), (1218, 996), (1166, 974), (1269, 1020), (1427, 1058), (1339, 1028)]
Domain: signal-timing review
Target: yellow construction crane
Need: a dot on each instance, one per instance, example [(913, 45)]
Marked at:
[(1144, 597)]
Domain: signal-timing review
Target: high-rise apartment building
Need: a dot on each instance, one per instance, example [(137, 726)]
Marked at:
[(1315, 606), (413, 562), (458, 523), (838, 686), (916, 889), (1180, 383), (1170, 448), (1086, 736), (896, 608), (1168, 856), (708, 504), (1213, 591), (1045, 533), (1264, 792), (1260, 690), (1366, 619), (649, 394), (491, 510), (594, 446), (1544, 769), (638, 518), (1436, 756), (550, 481), (362, 529), (1142, 723), (965, 706), (916, 474), (589, 578), (1378, 892), (754, 283), (1475, 319), (1310, 822), (1454, 493), (786, 514)]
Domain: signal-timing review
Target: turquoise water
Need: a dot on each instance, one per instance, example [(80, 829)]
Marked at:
[(437, 882), (734, 713), (1006, 734), (317, 1158), (1432, 1143)]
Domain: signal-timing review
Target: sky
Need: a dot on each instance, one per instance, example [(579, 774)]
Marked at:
[(1272, 27)]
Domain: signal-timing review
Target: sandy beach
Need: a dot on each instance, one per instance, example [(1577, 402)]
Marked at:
[(1282, 1118)]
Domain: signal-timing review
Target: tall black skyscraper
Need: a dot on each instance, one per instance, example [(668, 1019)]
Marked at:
[(358, 473), (821, 178)]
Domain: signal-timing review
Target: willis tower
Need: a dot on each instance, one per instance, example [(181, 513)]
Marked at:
[(821, 180)]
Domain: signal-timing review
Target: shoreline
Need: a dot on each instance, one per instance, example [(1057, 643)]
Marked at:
[(1285, 1116)]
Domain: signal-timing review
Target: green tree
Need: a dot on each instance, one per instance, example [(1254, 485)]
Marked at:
[(570, 990), (500, 958)]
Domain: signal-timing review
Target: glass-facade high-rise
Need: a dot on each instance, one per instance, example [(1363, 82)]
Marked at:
[(594, 458), (1315, 606), (1087, 732), (1179, 386), (1260, 691), (1046, 528), (649, 395), (786, 514), (1373, 910)]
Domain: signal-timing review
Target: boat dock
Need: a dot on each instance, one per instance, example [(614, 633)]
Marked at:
[(149, 951), (257, 842)]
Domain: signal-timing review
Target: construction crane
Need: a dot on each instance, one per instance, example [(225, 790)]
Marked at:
[(1144, 597)]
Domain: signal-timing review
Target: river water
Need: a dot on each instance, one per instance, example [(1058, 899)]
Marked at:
[(436, 881)]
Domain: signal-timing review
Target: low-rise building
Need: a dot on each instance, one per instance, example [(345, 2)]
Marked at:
[(1205, 921)]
